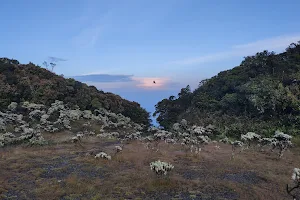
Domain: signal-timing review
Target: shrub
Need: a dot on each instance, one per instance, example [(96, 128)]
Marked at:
[(103, 155), (161, 168)]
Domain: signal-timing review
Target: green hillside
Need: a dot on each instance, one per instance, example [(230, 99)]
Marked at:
[(28, 82), (262, 94)]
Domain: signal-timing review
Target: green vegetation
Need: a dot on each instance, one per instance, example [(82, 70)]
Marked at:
[(261, 95), (20, 82)]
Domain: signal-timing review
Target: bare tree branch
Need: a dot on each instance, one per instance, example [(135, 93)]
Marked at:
[(289, 190)]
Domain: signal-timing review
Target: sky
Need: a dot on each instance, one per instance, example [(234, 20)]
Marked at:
[(121, 46)]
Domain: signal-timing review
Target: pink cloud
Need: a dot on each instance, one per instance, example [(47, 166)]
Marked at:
[(144, 83), (147, 82)]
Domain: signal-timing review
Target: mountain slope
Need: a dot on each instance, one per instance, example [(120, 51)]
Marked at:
[(262, 94), (19, 82)]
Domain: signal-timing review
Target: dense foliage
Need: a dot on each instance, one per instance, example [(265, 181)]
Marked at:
[(262, 94), (19, 82)]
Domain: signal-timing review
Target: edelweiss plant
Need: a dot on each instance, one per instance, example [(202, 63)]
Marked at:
[(266, 142), (118, 148), (203, 139), (103, 155), (196, 149), (235, 145), (225, 140), (161, 168), (296, 179), (282, 142), (250, 138)]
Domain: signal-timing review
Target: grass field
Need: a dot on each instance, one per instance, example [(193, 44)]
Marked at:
[(64, 170)]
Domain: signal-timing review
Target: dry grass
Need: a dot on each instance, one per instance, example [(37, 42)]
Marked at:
[(66, 171)]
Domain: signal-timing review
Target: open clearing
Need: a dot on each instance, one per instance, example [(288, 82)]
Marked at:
[(69, 171)]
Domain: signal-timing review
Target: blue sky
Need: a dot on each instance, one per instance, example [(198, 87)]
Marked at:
[(175, 42)]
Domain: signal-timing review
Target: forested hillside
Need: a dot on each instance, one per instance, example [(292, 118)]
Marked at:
[(262, 94), (28, 82)]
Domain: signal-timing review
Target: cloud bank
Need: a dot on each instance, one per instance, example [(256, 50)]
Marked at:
[(108, 81)]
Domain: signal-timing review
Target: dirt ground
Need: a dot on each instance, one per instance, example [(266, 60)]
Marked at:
[(68, 171)]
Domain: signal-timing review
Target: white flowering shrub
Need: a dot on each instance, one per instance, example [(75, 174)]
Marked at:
[(103, 155), (10, 118), (161, 135), (73, 114), (148, 138), (225, 140), (296, 175), (169, 140), (203, 139), (12, 106), (27, 135), (161, 168), (75, 139), (152, 129), (236, 144), (282, 142), (66, 123), (87, 114), (133, 136), (32, 106), (112, 125), (138, 127), (90, 133), (176, 127), (250, 138), (39, 140), (184, 123), (44, 118), (36, 114), (2, 125), (266, 141), (56, 106), (118, 148), (210, 129), (6, 139), (195, 149), (282, 136), (198, 130), (184, 134)]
